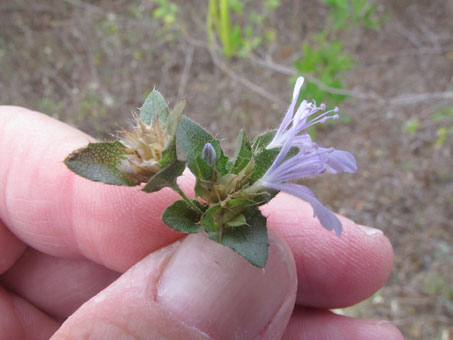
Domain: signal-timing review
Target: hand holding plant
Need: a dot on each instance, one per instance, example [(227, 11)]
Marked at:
[(65, 242), (231, 189)]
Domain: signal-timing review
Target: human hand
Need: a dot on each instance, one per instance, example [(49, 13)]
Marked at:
[(63, 239)]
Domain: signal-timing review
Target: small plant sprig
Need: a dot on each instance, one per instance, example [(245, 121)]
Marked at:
[(164, 142)]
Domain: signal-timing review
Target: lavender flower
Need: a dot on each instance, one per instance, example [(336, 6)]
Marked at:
[(299, 120), (311, 160)]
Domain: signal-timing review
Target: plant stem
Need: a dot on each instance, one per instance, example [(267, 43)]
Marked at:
[(185, 198), (220, 233)]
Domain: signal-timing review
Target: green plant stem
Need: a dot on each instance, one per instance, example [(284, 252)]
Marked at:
[(185, 198), (220, 233), (211, 20), (226, 27)]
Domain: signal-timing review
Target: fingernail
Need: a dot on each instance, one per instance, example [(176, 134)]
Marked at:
[(373, 232), (209, 287)]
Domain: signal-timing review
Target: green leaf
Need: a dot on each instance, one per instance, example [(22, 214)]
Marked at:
[(154, 107), (230, 214), (100, 162), (243, 153), (191, 138), (208, 220), (237, 205), (203, 170), (263, 161), (181, 217), (175, 117), (249, 241), (238, 221), (169, 155), (260, 142), (165, 177)]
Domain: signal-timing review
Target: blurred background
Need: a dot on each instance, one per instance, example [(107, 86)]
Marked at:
[(387, 64)]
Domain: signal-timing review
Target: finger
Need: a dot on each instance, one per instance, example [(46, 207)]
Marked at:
[(20, 320), (333, 272), (324, 325), (57, 286), (193, 289), (62, 214), (11, 248)]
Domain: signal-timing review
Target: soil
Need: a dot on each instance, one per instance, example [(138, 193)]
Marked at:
[(91, 63)]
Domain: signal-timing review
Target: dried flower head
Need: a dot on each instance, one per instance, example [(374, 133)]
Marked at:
[(143, 149)]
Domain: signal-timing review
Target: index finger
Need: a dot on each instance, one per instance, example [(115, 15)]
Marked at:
[(61, 214)]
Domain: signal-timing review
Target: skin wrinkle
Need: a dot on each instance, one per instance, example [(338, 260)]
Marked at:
[(8, 165), (152, 288), (70, 216), (16, 312), (290, 299), (15, 248), (6, 296), (123, 328)]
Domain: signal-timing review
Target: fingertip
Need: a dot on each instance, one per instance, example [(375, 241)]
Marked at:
[(332, 272)]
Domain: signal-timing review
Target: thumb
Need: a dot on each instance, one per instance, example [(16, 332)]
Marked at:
[(192, 289)]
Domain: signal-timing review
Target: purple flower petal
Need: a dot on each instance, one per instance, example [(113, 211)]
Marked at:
[(327, 218), (339, 161), (289, 114)]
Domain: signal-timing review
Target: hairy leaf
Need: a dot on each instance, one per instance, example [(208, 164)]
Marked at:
[(260, 142), (100, 162), (154, 107), (181, 217), (165, 178), (249, 241), (191, 138), (243, 153)]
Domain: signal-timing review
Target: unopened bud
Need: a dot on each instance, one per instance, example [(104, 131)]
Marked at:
[(208, 154)]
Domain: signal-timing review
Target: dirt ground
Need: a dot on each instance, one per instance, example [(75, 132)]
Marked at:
[(90, 63)]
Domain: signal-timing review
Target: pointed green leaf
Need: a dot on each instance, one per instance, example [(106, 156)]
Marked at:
[(263, 161), (229, 215), (265, 158), (175, 117), (243, 153), (209, 218), (169, 155), (165, 178), (154, 107), (237, 205), (203, 170), (191, 138), (238, 221), (260, 142), (249, 241), (100, 162), (183, 218)]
